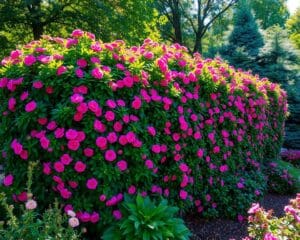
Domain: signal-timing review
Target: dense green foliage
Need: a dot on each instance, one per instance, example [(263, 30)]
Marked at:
[(270, 12), (293, 25)]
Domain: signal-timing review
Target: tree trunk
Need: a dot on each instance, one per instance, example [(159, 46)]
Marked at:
[(177, 21), (37, 30), (198, 44)]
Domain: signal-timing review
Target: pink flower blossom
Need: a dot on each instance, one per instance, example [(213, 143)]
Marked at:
[(79, 73), (73, 145), (97, 73), (37, 84), (88, 152), (61, 70), (101, 143), (254, 208), (29, 60), (131, 189), (95, 217), (59, 167), (92, 183), (110, 155), (31, 204), (200, 153), (117, 214), (183, 194), (71, 134), (109, 116), (31, 106), (81, 62), (73, 222), (137, 103), (66, 159), (8, 180), (122, 165), (156, 148), (149, 164), (77, 33), (79, 167), (151, 131), (223, 168), (183, 167)]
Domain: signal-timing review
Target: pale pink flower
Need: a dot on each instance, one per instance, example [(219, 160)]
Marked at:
[(31, 204), (73, 222)]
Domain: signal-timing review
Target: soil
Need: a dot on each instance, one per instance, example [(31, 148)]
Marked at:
[(224, 229)]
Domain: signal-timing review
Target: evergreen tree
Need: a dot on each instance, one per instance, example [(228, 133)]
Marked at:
[(280, 62), (245, 40)]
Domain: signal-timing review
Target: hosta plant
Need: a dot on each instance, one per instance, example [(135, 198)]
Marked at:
[(105, 119), (143, 219)]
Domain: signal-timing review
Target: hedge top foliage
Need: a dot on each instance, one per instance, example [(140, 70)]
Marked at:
[(103, 119)]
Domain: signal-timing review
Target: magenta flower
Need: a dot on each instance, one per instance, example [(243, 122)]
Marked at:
[(110, 155), (92, 183), (122, 165), (31, 106), (59, 167), (79, 167), (61, 70), (97, 73), (29, 60), (8, 180), (117, 214)]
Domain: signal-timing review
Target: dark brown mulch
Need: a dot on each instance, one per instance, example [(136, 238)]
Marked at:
[(224, 229)]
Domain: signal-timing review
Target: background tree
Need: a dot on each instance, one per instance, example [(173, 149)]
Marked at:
[(244, 41), (24, 20), (293, 26), (280, 62), (193, 18), (270, 12)]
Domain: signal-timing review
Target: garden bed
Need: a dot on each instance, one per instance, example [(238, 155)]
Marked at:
[(224, 229)]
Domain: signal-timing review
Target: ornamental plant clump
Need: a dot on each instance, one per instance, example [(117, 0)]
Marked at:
[(143, 219), (263, 225), (105, 119)]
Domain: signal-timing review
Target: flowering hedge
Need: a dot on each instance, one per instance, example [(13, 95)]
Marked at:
[(104, 119)]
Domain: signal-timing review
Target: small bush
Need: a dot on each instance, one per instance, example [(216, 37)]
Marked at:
[(279, 180), (105, 119), (262, 225), (291, 156), (142, 219)]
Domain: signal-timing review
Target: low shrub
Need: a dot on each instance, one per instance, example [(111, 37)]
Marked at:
[(291, 156), (143, 219), (263, 225), (104, 119), (279, 180)]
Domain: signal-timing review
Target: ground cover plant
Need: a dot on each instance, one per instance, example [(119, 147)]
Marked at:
[(105, 119)]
